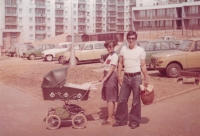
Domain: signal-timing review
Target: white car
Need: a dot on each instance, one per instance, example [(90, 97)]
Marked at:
[(49, 54), (89, 51)]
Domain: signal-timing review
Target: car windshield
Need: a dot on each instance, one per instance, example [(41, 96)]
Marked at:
[(143, 44), (185, 45), (80, 45), (39, 47)]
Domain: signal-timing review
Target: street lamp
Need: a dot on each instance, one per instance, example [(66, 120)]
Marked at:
[(72, 60), (41, 33)]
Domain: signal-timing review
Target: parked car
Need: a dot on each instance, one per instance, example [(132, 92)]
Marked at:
[(49, 54), (171, 38), (89, 51), (150, 47), (37, 51), (187, 57), (157, 46), (18, 49), (59, 55)]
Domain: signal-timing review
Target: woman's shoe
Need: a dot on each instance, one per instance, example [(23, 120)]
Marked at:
[(106, 122)]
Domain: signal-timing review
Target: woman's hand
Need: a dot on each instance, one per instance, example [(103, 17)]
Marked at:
[(102, 79), (120, 79)]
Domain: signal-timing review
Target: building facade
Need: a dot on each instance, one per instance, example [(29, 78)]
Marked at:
[(25, 21), (174, 15)]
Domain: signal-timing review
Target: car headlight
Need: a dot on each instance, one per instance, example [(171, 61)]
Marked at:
[(158, 61)]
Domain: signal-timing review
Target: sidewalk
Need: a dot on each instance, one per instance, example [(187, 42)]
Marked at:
[(23, 114)]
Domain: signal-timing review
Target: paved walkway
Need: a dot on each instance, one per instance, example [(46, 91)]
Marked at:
[(22, 114)]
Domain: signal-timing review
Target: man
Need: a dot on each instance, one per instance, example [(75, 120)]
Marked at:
[(133, 60)]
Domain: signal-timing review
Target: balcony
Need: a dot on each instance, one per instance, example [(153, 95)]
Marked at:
[(111, 3), (120, 17), (99, 15), (111, 22), (81, 23), (59, 23), (99, 2), (60, 1), (120, 4), (40, 31), (120, 23), (59, 8), (59, 15), (120, 10), (98, 28), (112, 9), (111, 15), (192, 14), (82, 9), (10, 5), (11, 23), (82, 1), (59, 31), (40, 6), (98, 21), (81, 16), (40, 15), (11, 14), (99, 8), (81, 30), (40, 23)]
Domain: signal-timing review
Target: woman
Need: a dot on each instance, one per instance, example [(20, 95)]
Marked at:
[(110, 82)]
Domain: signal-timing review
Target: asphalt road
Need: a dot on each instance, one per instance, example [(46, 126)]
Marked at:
[(22, 114)]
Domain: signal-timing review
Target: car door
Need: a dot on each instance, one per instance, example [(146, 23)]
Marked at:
[(39, 50), (99, 50), (87, 53), (152, 48), (193, 57)]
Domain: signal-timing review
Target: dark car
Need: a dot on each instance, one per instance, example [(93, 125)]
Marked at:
[(19, 49), (37, 51), (151, 47)]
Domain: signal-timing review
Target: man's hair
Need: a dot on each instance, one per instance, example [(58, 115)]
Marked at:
[(131, 32)]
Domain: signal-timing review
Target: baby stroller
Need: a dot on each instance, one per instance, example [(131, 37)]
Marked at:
[(55, 88)]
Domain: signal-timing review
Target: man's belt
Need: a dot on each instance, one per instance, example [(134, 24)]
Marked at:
[(132, 74)]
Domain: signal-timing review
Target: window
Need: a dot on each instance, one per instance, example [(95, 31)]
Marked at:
[(48, 28), (20, 2), (20, 19), (30, 19), (48, 19), (89, 47), (99, 46), (30, 10), (165, 46), (31, 36), (20, 11), (31, 28)]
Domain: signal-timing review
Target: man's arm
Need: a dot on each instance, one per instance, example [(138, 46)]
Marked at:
[(144, 71), (119, 69)]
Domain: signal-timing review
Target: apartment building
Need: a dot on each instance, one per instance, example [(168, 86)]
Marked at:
[(177, 14), (33, 20)]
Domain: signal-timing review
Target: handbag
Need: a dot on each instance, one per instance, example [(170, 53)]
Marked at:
[(147, 94)]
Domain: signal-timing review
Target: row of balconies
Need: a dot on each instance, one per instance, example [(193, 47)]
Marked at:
[(10, 4), (40, 6), (11, 14), (82, 1), (82, 9), (11, 23), (40, 15), (60, 1)]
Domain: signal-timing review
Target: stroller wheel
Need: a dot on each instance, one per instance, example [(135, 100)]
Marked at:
[(53, 122), (79, 121)]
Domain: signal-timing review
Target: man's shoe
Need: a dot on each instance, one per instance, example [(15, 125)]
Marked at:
[(133, 126), (117, 125)]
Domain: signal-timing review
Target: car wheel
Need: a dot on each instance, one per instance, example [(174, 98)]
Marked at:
[(162, 71), (49, 58), (173, 70), (32, 56)]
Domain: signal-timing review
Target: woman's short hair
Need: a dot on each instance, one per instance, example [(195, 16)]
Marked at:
[(110, 42), (131, 32)]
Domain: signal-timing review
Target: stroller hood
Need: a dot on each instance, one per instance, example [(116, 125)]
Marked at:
[(55, 78)]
